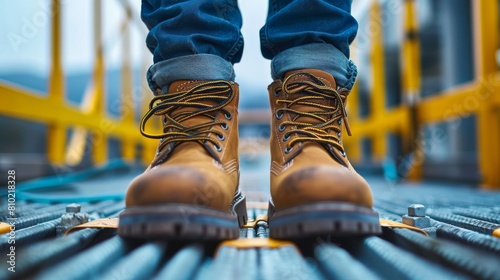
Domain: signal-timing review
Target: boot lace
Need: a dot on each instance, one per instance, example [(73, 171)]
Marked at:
[(206, 99), (327, 116)]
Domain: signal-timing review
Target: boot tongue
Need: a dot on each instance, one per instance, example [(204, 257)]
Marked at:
[(185, 85), (321, 79), (325, 77)]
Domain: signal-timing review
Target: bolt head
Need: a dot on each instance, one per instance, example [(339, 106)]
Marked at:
[(416, 210), (73, 208)]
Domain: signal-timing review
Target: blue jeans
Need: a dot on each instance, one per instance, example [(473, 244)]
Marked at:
[(201, 39)]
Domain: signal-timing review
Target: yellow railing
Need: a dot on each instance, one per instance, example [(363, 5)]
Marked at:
[(91, 120), (480, 97)]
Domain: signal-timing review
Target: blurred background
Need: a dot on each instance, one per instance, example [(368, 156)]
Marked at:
[(426, 104)]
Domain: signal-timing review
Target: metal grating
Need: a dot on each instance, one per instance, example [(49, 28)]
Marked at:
[(461, 245)]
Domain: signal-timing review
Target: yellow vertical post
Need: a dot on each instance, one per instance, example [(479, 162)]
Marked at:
[(353, 145), (378, 77), (488, 122), (56, 132), (148, 145), (411, 54), (411, 81), (99, 139), (353, 103), (128, 146)]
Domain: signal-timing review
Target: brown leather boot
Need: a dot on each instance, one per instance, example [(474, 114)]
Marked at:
[(190, 190), (315, 191)]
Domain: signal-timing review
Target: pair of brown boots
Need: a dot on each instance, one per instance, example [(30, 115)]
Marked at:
[(190, 190)]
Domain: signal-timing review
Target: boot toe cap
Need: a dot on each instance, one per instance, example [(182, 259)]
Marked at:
[(322, 183), (176, 184)]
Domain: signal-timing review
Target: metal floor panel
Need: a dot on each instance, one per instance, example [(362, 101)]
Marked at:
[(461, 244)]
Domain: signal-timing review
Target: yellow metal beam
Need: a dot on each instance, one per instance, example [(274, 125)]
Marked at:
[(148, 145), (56, 79), (353, 145), (390, 121), (411, 54), (31, 106), (353, 103), (485, 36), (450, 104), (481, 97), (378, 78), (486, 30), (99, 144), (91, 119), (353, 148), (128, 114), (56, 137), (494, 83), (411, 82), (489, 150), (377, 103)]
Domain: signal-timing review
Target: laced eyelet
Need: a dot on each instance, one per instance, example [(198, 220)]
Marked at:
[(162, 139), (286, 137), (218, 148), (157, 153), (278, 115), (224, 126), (339, 134), (221, 137), (276, 93), (164, 121), (281, 128), (339, 121), (288, 150), (343, 154), (228, 116)]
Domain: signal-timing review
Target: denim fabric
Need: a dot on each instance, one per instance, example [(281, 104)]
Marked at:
[(201, 39), (189, 67), (186, 27), (318, 56)]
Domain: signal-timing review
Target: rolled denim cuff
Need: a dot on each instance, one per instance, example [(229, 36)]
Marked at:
[(319, 56), (190, 67)]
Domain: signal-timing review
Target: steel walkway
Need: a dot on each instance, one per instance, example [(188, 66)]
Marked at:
[(463, 241)]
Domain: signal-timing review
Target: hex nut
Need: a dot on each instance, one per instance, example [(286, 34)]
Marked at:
[(71, 218), (416, 210), (420, 222)]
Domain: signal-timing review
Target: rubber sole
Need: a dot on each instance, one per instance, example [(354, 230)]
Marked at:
[(183, 221), (319, 219)]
